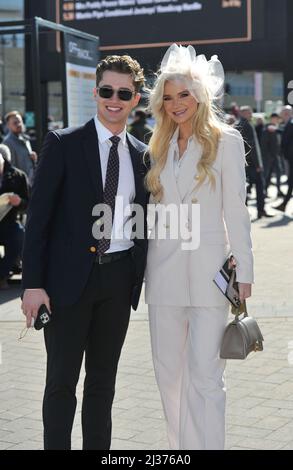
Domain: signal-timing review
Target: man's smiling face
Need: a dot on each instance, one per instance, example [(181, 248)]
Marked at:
[(113, 112)]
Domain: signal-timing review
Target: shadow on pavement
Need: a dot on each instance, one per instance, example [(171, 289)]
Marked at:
[(12, 293), (282, 222)]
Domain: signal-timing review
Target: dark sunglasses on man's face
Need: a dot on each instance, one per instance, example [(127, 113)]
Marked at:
[(123, 94)]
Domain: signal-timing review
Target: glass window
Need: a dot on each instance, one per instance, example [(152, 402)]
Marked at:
[(11, 10)]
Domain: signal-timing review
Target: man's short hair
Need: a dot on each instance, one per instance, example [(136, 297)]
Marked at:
[(11, 114), (245, 108), (275, 115), (121, 64)]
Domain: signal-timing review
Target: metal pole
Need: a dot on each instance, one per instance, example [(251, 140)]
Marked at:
[(36, 76), (64, 81), (3, 65)]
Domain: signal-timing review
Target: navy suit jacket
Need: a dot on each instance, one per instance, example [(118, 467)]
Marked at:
[(58, 246)]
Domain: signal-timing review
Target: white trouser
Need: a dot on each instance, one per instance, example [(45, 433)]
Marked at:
[(189, 372)]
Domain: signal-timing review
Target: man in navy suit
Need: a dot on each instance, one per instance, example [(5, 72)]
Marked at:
[(88, 283)]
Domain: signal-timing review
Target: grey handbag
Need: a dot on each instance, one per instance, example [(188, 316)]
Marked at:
[(241, 336)]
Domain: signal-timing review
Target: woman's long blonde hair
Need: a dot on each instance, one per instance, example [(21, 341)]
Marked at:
[(207, 129)]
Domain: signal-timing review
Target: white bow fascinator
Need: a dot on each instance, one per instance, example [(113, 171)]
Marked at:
[(205, 78)]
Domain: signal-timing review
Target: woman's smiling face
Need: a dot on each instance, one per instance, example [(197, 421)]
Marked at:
[(178, 102)]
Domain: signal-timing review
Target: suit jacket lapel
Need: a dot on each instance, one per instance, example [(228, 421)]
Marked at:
[(138, 170), (92, 156), (168, 179), (188, 170), (177, 190)]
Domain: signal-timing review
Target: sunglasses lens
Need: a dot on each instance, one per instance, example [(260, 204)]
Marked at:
[(106, 92), (125, 95)]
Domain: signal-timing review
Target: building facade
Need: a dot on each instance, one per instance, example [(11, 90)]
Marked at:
[(251, 37), (12, 60)]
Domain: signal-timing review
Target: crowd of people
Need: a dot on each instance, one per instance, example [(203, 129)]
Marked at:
[(268, 144), (17, 166)]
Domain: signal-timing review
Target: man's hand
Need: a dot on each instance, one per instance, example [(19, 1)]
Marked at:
[(31, 302), (244, 291), (34, 157), (14, 200)]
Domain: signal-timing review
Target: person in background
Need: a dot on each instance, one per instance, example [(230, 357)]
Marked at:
[(139, 127), (234, 110), (22, 155), (13, 182), (271, 149), (259, 128), (254, 169)]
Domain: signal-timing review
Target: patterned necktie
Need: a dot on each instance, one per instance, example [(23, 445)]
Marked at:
[(110, 192)]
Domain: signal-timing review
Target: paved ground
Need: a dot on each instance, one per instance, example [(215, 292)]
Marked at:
[(260, 389)]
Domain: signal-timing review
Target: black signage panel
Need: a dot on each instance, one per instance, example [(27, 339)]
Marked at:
[(81, 51), (81, 58), (157, 23)]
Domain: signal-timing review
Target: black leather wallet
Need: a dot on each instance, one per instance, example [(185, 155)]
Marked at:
[(43, 317)]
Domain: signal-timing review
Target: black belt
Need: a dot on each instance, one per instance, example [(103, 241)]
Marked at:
[(110, 257)]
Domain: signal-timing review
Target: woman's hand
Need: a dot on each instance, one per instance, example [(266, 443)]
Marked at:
[(244, 291)]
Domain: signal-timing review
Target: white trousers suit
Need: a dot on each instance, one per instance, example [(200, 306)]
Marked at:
[(185, 348), (187, 312)]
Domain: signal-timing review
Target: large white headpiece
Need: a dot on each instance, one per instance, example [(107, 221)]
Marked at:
[(205, 78)]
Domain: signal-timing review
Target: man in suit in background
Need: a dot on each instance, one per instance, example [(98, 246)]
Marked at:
[(22, 155), (139, 127), (271, 149), (254, 169), (88, 285)]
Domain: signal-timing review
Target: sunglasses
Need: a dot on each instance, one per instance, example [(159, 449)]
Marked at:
[(123, 94)]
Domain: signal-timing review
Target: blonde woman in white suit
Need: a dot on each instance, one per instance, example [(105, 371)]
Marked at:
[(196, 160)]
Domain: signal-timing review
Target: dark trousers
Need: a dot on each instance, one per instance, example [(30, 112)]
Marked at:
[(96, 325), (290, 182), (273, 165), (11, 236), (256, 178)]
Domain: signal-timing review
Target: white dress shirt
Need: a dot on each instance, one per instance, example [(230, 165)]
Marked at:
[(122, 223), (178, 161)]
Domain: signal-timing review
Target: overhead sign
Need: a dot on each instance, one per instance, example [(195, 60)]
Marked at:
[(157, 23), (81, 58)]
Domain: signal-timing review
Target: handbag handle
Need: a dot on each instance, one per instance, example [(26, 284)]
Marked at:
[(242, 309)]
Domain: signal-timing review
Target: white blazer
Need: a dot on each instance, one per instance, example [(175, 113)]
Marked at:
[(178, 277)]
